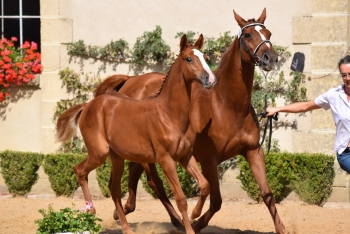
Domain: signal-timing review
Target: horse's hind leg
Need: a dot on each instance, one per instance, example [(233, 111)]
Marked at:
[(115, 188), (82, 170), (191, 166), (156, 184), (257, 165), (135, 172)]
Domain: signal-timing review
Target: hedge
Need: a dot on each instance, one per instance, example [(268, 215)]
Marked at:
[(188, 184), (310, 176), (19, 170), (103, 174), (60, 170)]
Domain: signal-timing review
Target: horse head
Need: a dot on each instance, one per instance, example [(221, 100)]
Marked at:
[(254, 38), (194, 66)]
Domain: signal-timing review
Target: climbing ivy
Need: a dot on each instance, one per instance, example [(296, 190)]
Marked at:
[(116, 51)]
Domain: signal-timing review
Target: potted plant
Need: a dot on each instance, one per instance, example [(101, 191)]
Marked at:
[(18, 65), (68, 220)]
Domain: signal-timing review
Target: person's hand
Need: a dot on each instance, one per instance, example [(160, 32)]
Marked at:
[(271, 111)]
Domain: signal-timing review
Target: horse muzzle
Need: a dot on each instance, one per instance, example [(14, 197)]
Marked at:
[(209, 80), (269, 61)]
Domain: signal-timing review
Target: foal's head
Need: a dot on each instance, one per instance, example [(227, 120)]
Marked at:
[(194, 67), (255, 40)]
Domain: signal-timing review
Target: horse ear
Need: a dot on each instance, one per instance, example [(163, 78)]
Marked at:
[(183, 42), (262, 16), (200, 41), (241, 22)]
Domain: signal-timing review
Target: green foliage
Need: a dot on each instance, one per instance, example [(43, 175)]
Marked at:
[(214, 48), (103, 174), (67, 220), (60, 170), (77, 48), (315, 177), (19, 170), (150, 48), (188, 184), (190, 36), (116, 51), (82, 90), (310, 175)]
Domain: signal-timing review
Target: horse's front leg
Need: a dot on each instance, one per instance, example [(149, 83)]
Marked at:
[(257, 165), (191, 166), (135, 172), (210, 172), (169, 168), (156, 184)]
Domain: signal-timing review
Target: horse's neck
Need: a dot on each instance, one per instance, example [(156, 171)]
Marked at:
[(235, 77), (175, 94)]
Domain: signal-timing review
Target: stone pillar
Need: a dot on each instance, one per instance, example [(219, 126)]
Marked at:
[(54, 32), (327, 32)]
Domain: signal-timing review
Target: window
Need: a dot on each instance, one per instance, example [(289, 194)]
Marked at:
[(21, 19)]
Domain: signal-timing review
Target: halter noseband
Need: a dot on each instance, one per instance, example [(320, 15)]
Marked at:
[(241, 39)]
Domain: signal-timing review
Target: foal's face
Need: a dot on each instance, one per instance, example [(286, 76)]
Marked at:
[(193, 64), (256, 39)]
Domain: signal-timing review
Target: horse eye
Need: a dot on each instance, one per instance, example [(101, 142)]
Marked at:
[(188, 59), (247, 35)]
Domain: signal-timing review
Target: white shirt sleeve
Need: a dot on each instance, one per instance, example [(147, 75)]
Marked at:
[(323, 100)]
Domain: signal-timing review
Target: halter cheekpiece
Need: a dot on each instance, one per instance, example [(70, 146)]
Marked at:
[(241, 39)]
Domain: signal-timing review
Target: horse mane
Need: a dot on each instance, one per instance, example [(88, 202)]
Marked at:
[(162, 84), (165, 78)]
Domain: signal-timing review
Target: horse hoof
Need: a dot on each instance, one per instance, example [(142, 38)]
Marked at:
[(115, 215), (191, 219)]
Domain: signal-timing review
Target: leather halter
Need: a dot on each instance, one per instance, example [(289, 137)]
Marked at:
[(242, 42), (257, 63)]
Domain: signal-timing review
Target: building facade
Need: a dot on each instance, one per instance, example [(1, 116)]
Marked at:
[(318, 28)]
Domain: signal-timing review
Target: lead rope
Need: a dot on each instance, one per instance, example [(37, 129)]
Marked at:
[(269, 119)]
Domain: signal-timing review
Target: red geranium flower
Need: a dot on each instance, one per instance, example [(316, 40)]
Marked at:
[(17, 65)]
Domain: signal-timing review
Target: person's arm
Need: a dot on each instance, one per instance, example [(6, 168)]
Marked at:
[(293, 108)]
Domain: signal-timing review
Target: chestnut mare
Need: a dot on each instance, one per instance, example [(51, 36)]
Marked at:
[(148, 131), (228, 127)]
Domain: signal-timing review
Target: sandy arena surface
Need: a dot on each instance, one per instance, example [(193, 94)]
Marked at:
[(17, 215)]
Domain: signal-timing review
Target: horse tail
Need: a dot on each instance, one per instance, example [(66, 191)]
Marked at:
[(66, 125), (111, 84)]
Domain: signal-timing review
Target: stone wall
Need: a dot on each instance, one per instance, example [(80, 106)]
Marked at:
[(318, 28)]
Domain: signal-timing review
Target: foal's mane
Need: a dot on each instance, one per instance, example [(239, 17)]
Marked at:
[(165, 78)]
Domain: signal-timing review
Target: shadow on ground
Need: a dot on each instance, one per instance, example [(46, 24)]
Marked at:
[(168, 228)]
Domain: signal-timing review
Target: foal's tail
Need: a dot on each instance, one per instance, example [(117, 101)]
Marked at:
[(111, 84), (66, 125)]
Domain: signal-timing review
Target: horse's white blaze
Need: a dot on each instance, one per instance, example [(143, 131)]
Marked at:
[(258, 28), (212, 78)]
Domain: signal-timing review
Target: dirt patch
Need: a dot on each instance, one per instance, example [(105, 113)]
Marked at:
[(17, 215)]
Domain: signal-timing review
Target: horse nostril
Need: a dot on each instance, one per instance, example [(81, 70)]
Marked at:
[(266, 57), (276, 61)]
